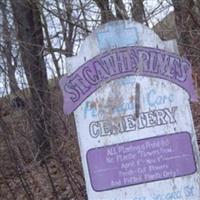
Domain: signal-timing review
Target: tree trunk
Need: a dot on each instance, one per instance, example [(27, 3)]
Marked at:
[(7, 46), (137, 11), (69, 40), (121, 12), (67, 28), (106, 13), (50, 47), (30, 36)]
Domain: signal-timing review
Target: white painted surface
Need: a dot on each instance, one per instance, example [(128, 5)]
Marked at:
[(117, 93), (146, 37), (155, 94)]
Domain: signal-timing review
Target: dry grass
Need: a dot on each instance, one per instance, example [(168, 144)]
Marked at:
[(61, 177)]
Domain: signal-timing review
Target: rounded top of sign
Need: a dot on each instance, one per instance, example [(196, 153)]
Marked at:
[(116, 34), (123, 33)]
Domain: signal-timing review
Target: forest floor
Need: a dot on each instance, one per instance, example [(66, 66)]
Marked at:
[(61, 176)]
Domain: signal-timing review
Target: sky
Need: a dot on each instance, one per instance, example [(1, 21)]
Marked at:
[(164, 9)]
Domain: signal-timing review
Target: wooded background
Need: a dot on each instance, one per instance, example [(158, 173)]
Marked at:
[(39, 155)]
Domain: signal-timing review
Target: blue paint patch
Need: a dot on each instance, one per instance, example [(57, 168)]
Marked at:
[(117, 35)]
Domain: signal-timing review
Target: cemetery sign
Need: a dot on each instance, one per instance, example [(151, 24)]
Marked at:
[(130, 93)]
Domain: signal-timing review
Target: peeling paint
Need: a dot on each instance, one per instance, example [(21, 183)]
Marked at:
[(110, 135)]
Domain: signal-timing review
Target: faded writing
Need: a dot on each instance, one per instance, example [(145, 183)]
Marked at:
[(151, 99), (155, 99), (186, 193), (116, 36)]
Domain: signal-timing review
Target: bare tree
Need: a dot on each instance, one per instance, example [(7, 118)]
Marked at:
[(6, 49), (49, 45), (138, 12), (31, 41), (67, 28), (188, 30), (64, 24), (121, 12), (106, 12)]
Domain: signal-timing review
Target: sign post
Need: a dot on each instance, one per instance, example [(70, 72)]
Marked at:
[(130, 94)]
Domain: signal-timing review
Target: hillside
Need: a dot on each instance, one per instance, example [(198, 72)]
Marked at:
[(61, 177)]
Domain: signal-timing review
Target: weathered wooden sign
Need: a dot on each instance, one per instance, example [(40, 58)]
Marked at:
[(130, 93)]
